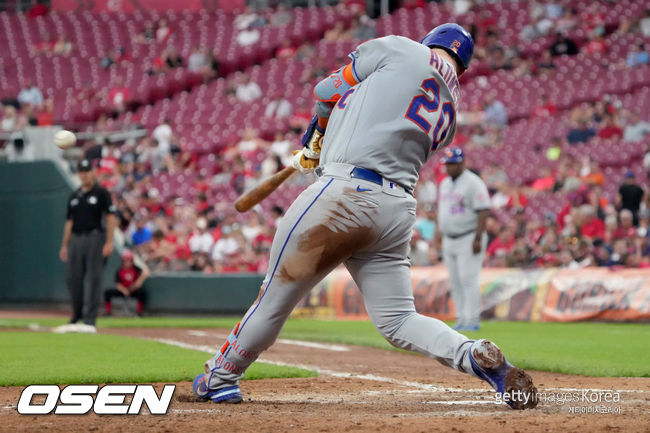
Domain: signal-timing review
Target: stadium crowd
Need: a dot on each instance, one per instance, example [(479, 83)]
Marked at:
[(199, 233)]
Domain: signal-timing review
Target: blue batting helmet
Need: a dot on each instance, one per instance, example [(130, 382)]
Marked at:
[(453, 155), (454, 39)]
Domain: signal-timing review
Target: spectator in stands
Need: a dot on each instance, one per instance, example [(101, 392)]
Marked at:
[(544, 107), (638, 57), (580, 133), (119, 95), (591, 226), (44, 46), (499, 60), (495, 112), (285, 50), (277, 212), (128, 283), (164, 138), (425, 222), (626, 228), (253, 227), (596, 45), (197, 60), (644, 23), (36, 10), (141, 233), (201, 240), (163, 32), (247, 90), (172, 58), (537, 28), (305, 51), (545, 182), (635, 128), (362, 29), (250, 142), (630, 196), (248, 36), (11, 121), (498, 249), (610, 129), (546, 63), (278, 108), (148, 34), (109, 59), (227, 246), (281, 16), (596, 198), (493, 175), (646, 164), (249, 19), (336, 33), (563, 45), (45, 115), (62, 46), (281, 148), (568, 21), (30, 94)]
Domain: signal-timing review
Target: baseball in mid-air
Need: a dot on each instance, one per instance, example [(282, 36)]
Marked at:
[(65, 139)]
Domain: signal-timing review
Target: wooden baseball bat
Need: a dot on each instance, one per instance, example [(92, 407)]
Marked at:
[(250, 198)]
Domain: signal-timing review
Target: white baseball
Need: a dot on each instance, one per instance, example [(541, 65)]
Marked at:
[(65, 139)]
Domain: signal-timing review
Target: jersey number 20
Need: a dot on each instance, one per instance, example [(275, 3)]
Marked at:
[(429, 107)]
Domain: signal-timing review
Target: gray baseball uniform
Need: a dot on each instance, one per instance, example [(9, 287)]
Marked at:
[(460, 200), (360, 211)]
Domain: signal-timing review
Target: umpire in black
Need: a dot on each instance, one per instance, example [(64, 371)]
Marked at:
[(87, 241)]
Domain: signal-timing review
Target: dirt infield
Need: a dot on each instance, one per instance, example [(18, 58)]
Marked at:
[(361, 389)]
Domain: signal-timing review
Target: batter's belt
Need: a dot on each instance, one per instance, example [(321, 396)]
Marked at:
[(350, 171)]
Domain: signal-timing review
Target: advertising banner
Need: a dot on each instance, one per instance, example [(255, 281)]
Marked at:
[(506, 294)]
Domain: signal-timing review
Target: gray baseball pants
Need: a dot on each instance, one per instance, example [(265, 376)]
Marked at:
[(464, 268), (85, 259), (366, 226)]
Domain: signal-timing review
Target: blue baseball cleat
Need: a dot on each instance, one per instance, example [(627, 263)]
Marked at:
[(228, 394), (513, 384)]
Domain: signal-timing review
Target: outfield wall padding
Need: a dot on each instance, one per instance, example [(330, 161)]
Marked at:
[(193, 292), (33, 199)]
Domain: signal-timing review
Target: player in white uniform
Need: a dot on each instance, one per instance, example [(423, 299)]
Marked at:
[(386, 113), (463, 208)]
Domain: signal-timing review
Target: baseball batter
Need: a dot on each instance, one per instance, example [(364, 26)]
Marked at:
[(385, 114), (463, 209)]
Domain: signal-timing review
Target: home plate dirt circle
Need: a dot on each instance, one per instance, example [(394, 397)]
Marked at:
[(358, 389)]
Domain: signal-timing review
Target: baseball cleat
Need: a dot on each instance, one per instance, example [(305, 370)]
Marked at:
[(513, 384), (228, 394)]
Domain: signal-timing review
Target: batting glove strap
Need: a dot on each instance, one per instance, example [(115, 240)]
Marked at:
[(311, 130)]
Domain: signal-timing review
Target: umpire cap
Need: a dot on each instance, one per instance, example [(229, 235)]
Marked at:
[(84, 165), (453, 155)]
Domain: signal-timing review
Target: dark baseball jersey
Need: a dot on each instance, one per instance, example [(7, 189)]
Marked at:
[(86, 209)]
